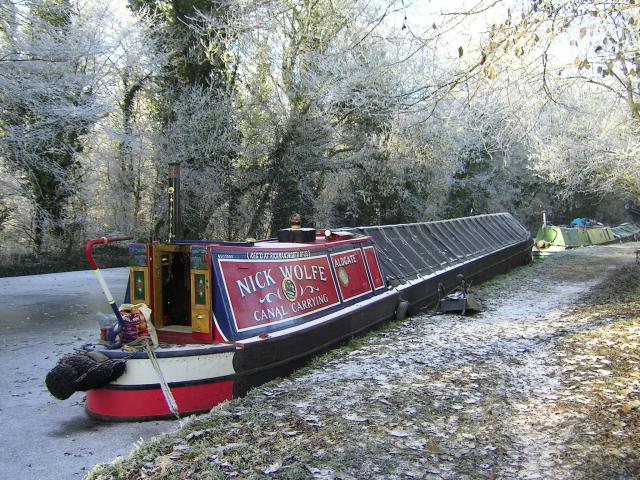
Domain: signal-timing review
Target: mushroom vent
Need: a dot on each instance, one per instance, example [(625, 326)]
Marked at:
[(295, 233)]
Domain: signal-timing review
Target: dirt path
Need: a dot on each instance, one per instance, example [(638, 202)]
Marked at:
[(544, 384)]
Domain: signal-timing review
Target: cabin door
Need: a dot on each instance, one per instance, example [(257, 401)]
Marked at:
[(200, 290), (172, 287)]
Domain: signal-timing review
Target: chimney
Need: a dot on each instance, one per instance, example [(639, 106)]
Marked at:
[(175, 212)]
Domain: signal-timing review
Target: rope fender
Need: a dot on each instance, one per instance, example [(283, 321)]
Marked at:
[(82, 372)]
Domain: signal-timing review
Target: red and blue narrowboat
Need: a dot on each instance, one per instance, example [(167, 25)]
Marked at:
[(232, 315)]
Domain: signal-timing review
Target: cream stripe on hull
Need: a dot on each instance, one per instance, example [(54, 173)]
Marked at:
[(177, 369)]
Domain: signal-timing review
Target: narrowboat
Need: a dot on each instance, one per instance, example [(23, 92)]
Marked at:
[(626, 232), (231, 315), (552, 239)]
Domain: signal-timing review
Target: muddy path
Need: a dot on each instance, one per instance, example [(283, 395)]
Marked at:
[(543, 384)]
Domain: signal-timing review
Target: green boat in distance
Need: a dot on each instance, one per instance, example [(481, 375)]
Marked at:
[(552, 239), (627, 232)]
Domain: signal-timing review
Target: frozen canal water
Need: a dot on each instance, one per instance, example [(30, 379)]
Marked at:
[(42, 318)]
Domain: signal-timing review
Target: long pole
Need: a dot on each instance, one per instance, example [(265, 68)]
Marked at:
[(175, 209), (164, 386), (96, 270)]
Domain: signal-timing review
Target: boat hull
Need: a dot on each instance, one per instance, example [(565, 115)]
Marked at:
[(280, 355), (139, 397), (199, 377), (551, 239), (423, 293), (147, 402), (626, 232), (221, 376)]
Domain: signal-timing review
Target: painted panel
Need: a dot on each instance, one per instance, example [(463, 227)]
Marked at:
[(264, 292), (139, 285), (351, 273), (137, 255), (200, 289), (583, 237), (190, 368), (374, 268), (139, 288), (199, 258)]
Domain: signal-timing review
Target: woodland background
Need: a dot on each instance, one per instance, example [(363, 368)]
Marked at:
[(349, 112)]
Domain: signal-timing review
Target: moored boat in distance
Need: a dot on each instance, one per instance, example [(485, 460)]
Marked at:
[(626, 232), (580, 232)]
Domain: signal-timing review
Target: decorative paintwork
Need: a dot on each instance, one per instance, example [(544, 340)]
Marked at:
[(265, 289)]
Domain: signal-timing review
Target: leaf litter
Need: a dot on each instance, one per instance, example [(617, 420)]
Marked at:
[(544, 384)]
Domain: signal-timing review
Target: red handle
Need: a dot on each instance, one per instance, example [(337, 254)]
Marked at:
[(98, 241)]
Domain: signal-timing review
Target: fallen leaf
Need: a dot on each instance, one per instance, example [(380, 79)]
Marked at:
[(354, 418), (433, 447), (164, 461), (272, 468), (196, 434)]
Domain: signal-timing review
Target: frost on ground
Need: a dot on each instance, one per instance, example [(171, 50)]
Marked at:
[(544, 384)]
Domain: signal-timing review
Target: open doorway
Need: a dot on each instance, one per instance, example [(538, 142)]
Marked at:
[(172, 302)]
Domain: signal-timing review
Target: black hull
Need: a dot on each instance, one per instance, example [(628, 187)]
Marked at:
[(269, 359), (425, 294)]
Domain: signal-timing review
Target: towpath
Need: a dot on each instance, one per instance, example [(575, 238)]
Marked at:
[(544, 384)]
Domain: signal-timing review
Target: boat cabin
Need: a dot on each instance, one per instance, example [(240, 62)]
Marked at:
[(211, 292), (173, 279)]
